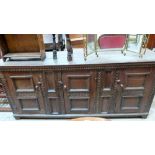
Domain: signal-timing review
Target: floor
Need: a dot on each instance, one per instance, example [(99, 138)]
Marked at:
[(8, 116)]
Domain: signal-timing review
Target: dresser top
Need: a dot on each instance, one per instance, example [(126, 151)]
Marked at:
[(106, 57)]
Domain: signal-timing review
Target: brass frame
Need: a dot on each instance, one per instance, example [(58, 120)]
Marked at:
[(123, 50), (143, 45), (115, 49), (85, 36)]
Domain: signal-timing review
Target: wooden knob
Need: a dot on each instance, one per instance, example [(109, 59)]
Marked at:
[(36, 86), (118, 81), (39, 83), (121, 85), (60, 83), (65, 86)]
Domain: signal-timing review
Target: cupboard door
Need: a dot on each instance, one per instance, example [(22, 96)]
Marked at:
[(79, 92), (106, 94), (134, 89), (25, 89), (53, 93)]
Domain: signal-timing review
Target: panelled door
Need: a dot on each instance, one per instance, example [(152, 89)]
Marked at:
[(106, 92), (53, 93), (79, 91), (133, 89), (26, 91)]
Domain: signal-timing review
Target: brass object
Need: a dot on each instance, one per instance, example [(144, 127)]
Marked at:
[(133, 43), (90, 47), (137, 45)]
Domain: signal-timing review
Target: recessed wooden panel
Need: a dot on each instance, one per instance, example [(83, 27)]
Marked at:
[(29, 104), (54, 105), (137, 79), (130, 102), (105, 104), (132, 91), (23, 83), (107, 79), (78, 93), (106, 88), (79, 104), (78, 82), (106, 92), (50, 80)]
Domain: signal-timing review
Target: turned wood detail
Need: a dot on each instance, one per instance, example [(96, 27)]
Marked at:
[(61, 42), (69, 48), (7, 92), (116, 89), (98, 90), (54, 47), (60, 86), (116, 78)]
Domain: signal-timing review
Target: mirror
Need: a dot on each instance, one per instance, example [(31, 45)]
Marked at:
[(137, 43), (90, 44), (95, 43)]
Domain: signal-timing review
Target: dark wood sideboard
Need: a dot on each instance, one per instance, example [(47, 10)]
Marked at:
[(111, 85)]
